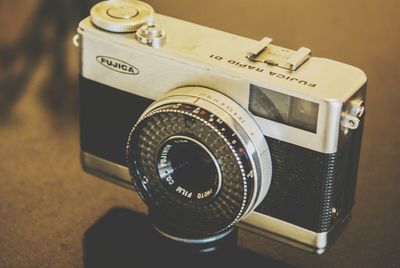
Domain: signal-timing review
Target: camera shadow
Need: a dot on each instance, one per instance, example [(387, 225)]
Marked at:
[(123, 238), (45, 36)]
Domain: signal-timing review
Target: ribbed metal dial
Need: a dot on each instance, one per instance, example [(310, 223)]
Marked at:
[(121, 16)]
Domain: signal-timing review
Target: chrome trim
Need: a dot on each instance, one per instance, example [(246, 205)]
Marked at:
[(195, 241), (291, 234), (106, 170)]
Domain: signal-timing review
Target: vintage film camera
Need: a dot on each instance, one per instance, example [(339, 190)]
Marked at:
[(215, 130)]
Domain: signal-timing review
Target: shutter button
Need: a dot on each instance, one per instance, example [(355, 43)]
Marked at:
[(151, 34)]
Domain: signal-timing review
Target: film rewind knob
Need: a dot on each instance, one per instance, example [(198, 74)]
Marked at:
[(122, 16)]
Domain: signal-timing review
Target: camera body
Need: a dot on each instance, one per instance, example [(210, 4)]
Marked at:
[(295, 124)]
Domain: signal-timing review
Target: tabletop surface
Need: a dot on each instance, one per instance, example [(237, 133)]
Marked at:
[(50, 208)]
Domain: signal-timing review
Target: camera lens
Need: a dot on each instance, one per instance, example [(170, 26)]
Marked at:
[(188, 169), (197, 166)]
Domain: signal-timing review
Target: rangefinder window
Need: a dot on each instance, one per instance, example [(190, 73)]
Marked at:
[(283, 108)]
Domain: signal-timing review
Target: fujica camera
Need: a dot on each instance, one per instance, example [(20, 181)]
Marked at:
[(216, 130)]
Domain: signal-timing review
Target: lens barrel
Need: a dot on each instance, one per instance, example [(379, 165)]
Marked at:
[(193, 170)]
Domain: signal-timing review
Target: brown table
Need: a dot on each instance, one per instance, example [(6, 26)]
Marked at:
[(47, 203)]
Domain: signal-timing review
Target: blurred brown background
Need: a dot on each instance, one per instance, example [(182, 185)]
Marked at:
[(47, 202)]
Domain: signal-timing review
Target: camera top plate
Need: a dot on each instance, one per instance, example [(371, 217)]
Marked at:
[(214, 59)]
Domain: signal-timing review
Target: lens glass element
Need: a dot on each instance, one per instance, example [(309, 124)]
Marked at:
[(188, 169)]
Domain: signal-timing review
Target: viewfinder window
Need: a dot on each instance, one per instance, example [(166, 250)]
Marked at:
[(283, 108)]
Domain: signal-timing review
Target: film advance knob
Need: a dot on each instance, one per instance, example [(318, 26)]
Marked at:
[(121, 16)]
